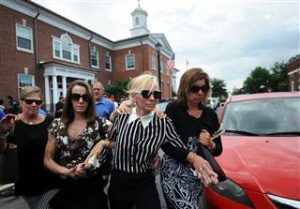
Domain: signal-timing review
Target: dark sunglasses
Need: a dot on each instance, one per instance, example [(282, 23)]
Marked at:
[(195, 89), (76, 97), (147, 94), (31, 101)]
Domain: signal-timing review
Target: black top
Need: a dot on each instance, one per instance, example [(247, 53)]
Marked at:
[(31, 141), (137, 146), (190, 127)]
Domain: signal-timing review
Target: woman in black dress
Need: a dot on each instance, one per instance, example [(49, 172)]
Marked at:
[(195, 123)]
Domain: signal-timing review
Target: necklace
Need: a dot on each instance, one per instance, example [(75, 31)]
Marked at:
[(30, 121)]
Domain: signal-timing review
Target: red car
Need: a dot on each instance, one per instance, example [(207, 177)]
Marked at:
[(261, 153)]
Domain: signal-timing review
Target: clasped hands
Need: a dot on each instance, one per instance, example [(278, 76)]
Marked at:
[(203, 170), (91, 161)]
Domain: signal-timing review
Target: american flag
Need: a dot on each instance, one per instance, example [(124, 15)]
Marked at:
[(171, 63)]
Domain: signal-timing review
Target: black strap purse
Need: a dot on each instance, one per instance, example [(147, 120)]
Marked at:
[(214, 164)]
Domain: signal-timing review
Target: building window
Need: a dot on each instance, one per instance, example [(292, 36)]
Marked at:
[(130, 61), (24, 38), (76, 54), (57, 48), (161, 65), (25, 80), (292, 85), (107, 61), (154, 61), (94, 58), (137, 21), (65, 49)]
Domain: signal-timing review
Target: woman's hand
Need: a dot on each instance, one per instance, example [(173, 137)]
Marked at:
[(75, 172), (155, 164), (206, 139), (7, 123), (124, 108), (202, 169), (96, 151), (160, 114)]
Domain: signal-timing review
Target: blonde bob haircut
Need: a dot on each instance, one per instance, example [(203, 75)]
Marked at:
[(29, 90), (140, 83)]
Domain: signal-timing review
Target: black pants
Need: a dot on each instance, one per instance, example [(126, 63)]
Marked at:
[(79, 194), (127, 190)]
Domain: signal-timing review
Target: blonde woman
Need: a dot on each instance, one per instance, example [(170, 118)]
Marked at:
[(29, 132), (139, 135)]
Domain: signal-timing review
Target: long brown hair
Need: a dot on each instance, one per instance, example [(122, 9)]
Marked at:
[(68, 113), (187, 80)]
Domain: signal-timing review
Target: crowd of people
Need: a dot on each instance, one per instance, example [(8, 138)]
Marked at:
[(92, 143)]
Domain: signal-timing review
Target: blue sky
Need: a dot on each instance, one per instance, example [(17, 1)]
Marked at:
[(227, 38)]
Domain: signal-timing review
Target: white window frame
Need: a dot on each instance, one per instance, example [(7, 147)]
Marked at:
[(19, 80), (97, 58), (20, 35), (73, 49), (107, 58), (154, 61), (161, 66), (127, 60)]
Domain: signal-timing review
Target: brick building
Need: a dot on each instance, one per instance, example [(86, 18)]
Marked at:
[(40, 47), (293, 73)]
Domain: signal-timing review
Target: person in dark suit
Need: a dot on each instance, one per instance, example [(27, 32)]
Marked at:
[(59, 106)]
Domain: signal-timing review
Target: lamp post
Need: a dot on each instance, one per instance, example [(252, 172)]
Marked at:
[(158, 48)]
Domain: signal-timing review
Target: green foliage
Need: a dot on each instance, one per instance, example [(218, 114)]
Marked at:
[(118, 88), (263, 80), (219, 89), (258, 81), (237, 91), (278, 79)]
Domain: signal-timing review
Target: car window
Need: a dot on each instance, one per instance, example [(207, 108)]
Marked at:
[(263, 116)]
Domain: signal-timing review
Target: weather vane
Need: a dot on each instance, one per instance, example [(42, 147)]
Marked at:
[(139, 3)]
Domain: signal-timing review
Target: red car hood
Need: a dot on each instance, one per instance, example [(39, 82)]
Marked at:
[(263, 164)]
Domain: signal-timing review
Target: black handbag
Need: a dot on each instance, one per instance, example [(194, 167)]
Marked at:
[(9, 165), (214, 164)]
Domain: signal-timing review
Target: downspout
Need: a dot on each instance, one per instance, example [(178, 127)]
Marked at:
[(35, 37), (89, 48), (141, 42)]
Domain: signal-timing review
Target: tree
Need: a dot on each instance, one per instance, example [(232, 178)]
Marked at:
[(258, 81), (297, 56), (237, 91), (118, 89), (278, 78), (219, 89)]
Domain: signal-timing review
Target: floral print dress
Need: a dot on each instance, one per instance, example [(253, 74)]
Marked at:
[(71, 151)]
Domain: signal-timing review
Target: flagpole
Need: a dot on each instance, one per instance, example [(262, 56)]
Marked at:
[(187, 63)]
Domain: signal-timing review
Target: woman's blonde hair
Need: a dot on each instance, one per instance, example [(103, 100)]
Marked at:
[(139, 83), (28, 90)]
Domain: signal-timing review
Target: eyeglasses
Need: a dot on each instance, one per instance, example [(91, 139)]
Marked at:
[(31, 101), (195, 89), (147, 94), (76, 97)]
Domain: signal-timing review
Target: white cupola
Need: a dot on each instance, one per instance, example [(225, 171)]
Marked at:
[(139, 22)]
